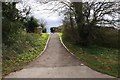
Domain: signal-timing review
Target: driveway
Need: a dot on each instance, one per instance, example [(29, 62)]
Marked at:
[(56, 62)]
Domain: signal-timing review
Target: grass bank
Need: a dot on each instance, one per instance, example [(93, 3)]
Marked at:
[(17, 56), (104, 60)]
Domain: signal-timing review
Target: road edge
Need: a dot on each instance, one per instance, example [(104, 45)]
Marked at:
[(67, 48), (44, 48)]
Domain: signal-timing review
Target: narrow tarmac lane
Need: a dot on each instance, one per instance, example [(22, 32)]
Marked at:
[(56, 62)]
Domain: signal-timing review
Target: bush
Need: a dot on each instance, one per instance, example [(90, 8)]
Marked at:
[(32, 24), (102, 36), (27, 48), (107, 37), (70, 34), (11, 31)]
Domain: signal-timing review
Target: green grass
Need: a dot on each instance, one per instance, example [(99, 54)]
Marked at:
[(60, 34), (104, 60), (19, 60)]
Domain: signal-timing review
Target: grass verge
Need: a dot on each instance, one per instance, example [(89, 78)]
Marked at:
[(104, 60), (17, 61)]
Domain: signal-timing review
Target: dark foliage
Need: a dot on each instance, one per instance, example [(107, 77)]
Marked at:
[(32, 24)]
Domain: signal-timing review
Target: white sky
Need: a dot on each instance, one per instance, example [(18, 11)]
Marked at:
[(37, 10)]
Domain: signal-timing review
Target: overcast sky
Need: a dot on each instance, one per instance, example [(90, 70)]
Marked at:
[(38, 11)]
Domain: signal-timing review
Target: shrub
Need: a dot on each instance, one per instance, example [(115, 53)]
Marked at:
[(107, 37)]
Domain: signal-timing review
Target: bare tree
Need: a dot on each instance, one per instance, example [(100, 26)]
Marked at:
[(88, 15), (92, 12)]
